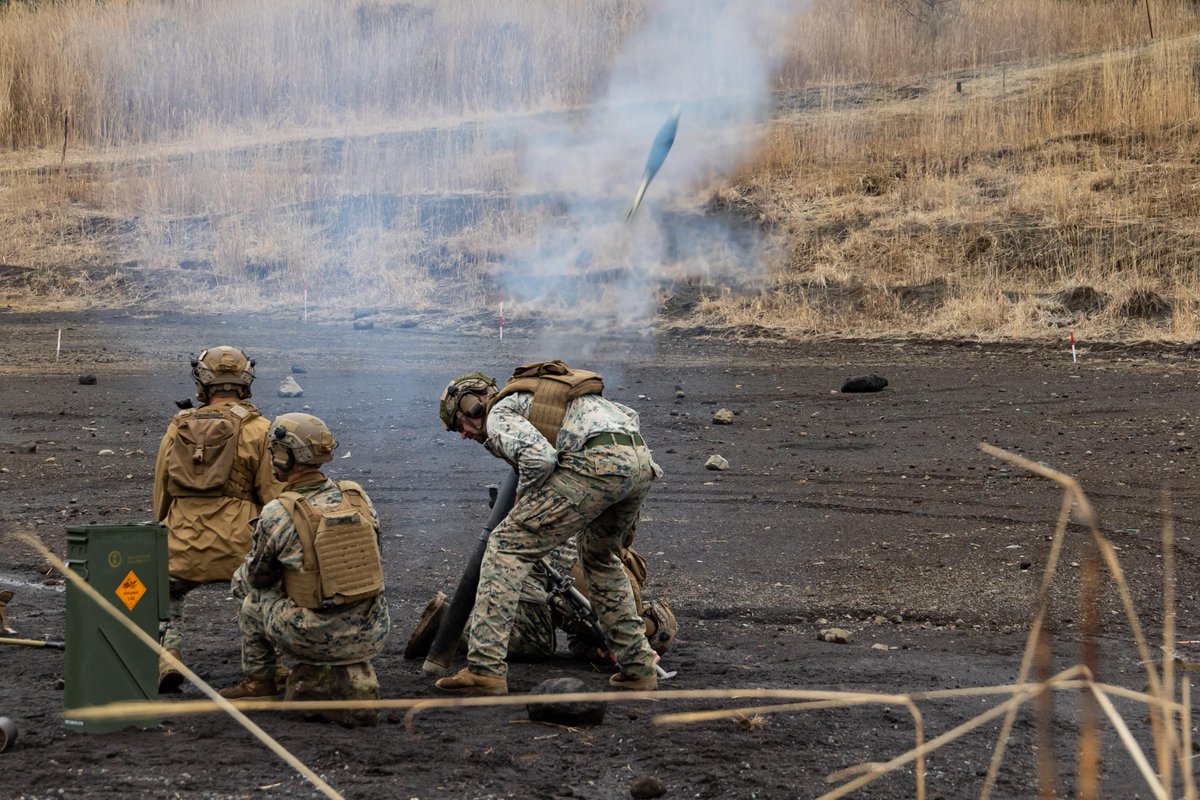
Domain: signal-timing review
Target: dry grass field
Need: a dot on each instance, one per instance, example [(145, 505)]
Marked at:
[(957, 168)]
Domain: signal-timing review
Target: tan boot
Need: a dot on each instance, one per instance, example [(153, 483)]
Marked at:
[(624, 683), (169, 678), (251, 687), (466, 682)]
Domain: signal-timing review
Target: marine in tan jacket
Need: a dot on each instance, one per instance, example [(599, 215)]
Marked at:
[(211, 478)]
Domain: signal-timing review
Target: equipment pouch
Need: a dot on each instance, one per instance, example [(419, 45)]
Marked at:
[(203, 452)]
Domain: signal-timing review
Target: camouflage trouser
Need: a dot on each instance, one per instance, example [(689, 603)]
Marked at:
[(274, 627), (170, 633), (532, 637), (599, 504)]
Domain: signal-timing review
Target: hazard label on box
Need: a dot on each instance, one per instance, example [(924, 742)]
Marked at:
[(131, 590)]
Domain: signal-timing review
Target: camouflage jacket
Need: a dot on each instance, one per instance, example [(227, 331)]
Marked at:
[(512, 437)]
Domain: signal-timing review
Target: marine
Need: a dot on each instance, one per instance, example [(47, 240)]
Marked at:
[(212, 475), (583, 471), (312, 584)]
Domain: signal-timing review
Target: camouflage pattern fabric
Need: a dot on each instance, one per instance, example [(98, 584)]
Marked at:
[(273, 626), (595, 495), (512, 437)]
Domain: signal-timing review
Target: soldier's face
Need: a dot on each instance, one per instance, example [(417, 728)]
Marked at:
[(470, 427)]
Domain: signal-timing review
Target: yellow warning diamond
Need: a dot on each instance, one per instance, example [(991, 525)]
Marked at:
[(131, 590)]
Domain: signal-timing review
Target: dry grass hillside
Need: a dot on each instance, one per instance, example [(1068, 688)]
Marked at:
[(964, 168)]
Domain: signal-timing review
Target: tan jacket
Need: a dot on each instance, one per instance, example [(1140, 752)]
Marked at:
[(209, 536)]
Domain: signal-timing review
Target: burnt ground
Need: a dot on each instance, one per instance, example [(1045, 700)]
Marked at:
[(872, 512)]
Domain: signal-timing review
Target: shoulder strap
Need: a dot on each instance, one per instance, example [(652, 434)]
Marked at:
[(305, 518)]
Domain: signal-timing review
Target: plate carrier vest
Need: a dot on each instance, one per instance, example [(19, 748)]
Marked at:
[(553, 384), (342, 562)]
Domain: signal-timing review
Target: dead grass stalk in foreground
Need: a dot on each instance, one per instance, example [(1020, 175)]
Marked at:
[(223, 704)]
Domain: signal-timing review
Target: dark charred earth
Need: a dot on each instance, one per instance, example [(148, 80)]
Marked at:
[(875, 512)]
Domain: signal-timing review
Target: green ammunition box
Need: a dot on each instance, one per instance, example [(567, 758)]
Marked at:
[(105, 662)]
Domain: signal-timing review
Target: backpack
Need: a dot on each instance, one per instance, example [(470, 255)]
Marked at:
[(553, 384), (204, 449)]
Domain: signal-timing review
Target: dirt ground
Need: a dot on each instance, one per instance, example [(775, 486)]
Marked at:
[(872, 512)]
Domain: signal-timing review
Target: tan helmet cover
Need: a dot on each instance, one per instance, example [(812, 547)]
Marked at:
[(476, 383), (222, 368), (661, 625), (306, 437)]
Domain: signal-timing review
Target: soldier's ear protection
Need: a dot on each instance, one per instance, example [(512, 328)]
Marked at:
[(474, 406), (281, 455)]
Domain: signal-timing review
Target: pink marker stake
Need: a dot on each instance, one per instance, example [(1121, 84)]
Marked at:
[(1074, 357), (502, 317)]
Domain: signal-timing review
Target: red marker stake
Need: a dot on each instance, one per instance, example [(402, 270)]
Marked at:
[(1074, 357)]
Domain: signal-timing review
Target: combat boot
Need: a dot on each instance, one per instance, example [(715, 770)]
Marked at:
[(169, 678), (624, 683), (251, 687), (466, 682)]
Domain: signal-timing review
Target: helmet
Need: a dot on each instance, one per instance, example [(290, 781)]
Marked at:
[(661, 625), (222, 369), (473, 384), (297, 439)]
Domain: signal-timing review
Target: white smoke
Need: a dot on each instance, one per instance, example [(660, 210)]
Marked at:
[(714, 59)]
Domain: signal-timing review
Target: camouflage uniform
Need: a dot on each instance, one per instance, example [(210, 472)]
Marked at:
[(209, 536), (594, 494), (273, 626)]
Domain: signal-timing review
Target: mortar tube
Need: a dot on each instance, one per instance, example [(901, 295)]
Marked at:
[(454, 621)]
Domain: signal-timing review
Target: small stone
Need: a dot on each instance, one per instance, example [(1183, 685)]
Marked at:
[(363, 325), (879, 646), (4, 470), (50, 460), (105, 452), (646, 786), (716, 462), (298, 370), (30, 448), (1026, 564), (835, 635), (679, 393), (60, 684), (184, 403), (722, 416), (87, 380), (289, 388)]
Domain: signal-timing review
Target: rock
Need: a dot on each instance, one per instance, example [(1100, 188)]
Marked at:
[(184, 403), (363, 325), (105, 452), (29, 448), (51, 460), (298, 370), (87, 380), (679, 393), (571, 714), (4, 470), (880, 646), (865, 383), (366, 311), (289, 388), (646, 786), (716, 462), (722, 416), (835, 635)]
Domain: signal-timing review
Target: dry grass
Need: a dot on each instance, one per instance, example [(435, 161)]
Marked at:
[(240, 153)]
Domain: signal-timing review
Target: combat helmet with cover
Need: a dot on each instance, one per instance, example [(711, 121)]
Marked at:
[(468, 395), (222, 369), (297, 439)]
